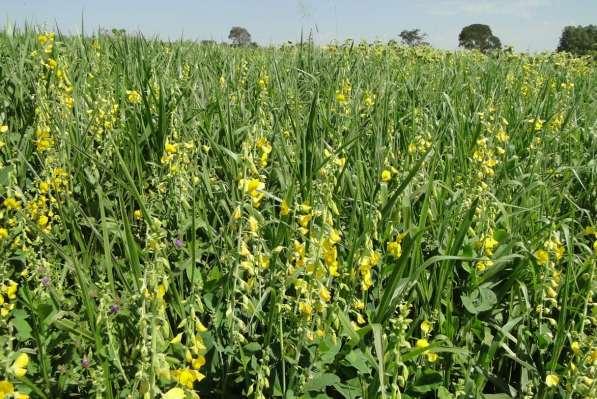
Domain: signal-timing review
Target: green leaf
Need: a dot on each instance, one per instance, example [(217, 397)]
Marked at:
[(252, 347), (443, 393), (4, 173), (329, 350), (321, 381), (480, 300), (20, 323), (428, 381), (357, 359)]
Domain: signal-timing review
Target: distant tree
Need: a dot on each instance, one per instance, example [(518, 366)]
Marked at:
[(579, 40), (239, 36), (413, 37), (480, 37)]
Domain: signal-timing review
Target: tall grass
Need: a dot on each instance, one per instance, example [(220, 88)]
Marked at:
[(359, 220)]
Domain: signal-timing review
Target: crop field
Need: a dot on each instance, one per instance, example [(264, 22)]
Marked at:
[(184, 220)]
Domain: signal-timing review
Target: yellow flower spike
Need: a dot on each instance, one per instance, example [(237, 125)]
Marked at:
[(19, 367), (11, 290), (42, 221), (422, 343), (324, 294), (199, 345), (200, 327), (170, 148), (386, 175), (3, 128), (137, 214), (253, 225), (335, 236), (552, 380), (575, 347), (542, 257), (395, 248), (305, 208), (304, 220), (431, 357), (198, 362), (360, 319), (177, 339), (133, 96), (161, 291), (237, 213), (174, 393), (305, 309), (6, 388), (426, 327), (284, 208), (3, 233), (11, 203)]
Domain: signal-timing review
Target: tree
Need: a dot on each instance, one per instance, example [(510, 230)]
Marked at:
[(239, 36), (579, 40), (480, 37), (413, 37)]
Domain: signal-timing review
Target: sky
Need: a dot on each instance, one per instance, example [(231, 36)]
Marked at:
[(527, 25)]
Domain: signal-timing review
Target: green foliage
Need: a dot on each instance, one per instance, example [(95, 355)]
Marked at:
[(579, 40), (413, 37), (478, 37), (351, 221)]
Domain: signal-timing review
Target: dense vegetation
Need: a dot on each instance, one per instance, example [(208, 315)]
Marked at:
[(349, 221)]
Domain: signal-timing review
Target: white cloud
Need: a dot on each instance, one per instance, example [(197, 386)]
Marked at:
[(522, 8)]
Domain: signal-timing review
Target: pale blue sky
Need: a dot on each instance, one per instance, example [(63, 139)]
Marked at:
[(528, 25)]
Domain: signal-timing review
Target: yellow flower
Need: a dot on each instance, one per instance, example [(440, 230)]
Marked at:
[(306, 309), (200, 327), (44, 187), (11, 203), (502, 135), (3, 128), (422, 343), (340, 97), (170, 148), (395, 248), (360, 319), (253, 225), (324, 294), (542, 257), (177, 339), (161, 291), (3, 233), (489, 244), (575, 346), (198, 362), (19, 395), (11, 290), (431, 357), (386, 175), (552, 380), (284, 209), (6, 388), (426, 327), (237, 213), (559, 252), (483, 265), (187, 377), (42, 221), (253, 188), (19, 367), (133, 96), (138, 214), (174, 393)]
